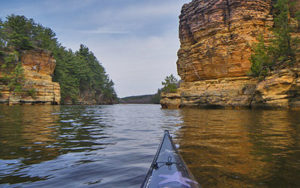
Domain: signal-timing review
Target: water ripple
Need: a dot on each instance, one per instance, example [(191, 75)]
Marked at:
[(113, 146)]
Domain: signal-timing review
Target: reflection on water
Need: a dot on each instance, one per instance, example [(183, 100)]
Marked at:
[(81, 146), (26, 138), (230, 148), (113, 146)]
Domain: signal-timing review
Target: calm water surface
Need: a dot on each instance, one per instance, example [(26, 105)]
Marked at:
[(113, 146)]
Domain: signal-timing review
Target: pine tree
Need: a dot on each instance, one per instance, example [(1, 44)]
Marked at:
[(260, 59), (18, 30), (76, 72), (170, 84), (280, 48)]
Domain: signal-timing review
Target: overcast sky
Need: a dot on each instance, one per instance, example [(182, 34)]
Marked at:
[(135, 40)]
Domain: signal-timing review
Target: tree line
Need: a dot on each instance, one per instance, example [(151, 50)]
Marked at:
[(75, 71)]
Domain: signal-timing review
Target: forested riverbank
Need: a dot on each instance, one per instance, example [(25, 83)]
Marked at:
[(82, 78)]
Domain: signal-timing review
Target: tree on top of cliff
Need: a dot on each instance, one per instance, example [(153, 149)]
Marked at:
[(17, 32), (20, 33), (44, 38), (170, 84), (76, 72), (11, 34)]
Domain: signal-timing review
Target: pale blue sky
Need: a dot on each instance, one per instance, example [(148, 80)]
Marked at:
[(135, 40)]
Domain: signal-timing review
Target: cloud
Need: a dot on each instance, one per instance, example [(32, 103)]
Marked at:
[(138, 65), (131, 16), (109, 29), (135, 40), (149, 10)]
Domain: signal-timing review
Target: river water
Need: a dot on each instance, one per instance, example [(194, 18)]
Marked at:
[(113, 146)]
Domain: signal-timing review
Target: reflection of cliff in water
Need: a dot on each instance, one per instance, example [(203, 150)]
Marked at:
[(241, 148), (29, 138), (31, 135)]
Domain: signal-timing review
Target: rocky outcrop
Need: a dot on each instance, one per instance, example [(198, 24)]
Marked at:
[(229, 92), (38, 66), (213, 59), (216, 37), (279, 90), (171, 100)]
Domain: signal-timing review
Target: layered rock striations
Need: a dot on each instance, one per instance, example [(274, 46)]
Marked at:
[(213, 59), (38, 66), (235, 91), (216, 37), (279, 90)]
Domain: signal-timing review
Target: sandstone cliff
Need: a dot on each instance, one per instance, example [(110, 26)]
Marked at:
[(216, 35), (213, 59), (38, 67), (279, 90)]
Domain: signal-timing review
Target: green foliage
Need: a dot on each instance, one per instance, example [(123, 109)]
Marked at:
[(16, 79), (281, 49), (260, 59), (170, 84), (31, 92), (2, 42), (81, 71), (20, 33), (76, 72), (44, 38), (9, 61), (65, 73), (17, 32), (297, 16), (156, 98), (12, 71)]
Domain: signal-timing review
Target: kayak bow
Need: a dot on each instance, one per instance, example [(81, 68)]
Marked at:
[(168, 168)]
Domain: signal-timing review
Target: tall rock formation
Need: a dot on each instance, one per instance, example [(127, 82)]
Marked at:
[(38, 66), (216, 37), (213, 59)]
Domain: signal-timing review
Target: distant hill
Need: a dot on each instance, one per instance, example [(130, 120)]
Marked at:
[(140, 99)]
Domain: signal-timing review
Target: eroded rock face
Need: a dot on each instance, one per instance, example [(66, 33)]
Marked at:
[(39, 61), (38, 67), (279, 90), (229, 92), (216, 37), (213, 60), (171, 100)]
